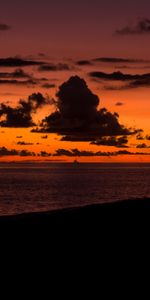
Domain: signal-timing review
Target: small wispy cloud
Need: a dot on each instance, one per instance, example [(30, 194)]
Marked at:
[(141, 27), (4, 27)]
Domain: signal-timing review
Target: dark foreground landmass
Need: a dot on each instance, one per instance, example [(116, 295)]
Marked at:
[(99, 217), (101, 232)]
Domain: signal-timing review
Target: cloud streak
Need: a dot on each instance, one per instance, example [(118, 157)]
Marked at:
[(84, 153), (18, 62), (4, 152), (118, 60), (119, 76), (53, 67), (133, 80), (29, 82), (18, 73)]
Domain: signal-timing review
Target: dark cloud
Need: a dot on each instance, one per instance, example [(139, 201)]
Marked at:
[(44, 136), (29, 82), (42, 54), (119, 76), (118, 60), (6, 152), (135, 80), (4, 27), (64, 152), (141, 82), (77, 117), (26, 153), (85, 153), (44, 79), (83, 63), (48, 86), (131, 85), (80, 153), (18, 62), (21, 116), (119, 103), (19, 137), (12, 78), (141, 27), (142, 146), (23, 153), (125, 152), (44, 154), (18, 73), (120, 142), (24, 144), (139, 137), (148, 137), (54, 67)]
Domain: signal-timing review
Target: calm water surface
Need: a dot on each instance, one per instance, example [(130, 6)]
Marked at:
[(40, 187)]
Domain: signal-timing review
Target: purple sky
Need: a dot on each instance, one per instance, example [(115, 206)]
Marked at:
[(71, 28)]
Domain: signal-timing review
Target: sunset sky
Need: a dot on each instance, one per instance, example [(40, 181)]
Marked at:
[(67, 60)]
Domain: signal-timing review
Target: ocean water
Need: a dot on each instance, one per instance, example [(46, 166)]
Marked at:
[(40, 187)]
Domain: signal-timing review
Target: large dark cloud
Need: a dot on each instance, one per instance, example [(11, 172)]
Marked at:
[(54, 67), (18, 62), (141, 27), (77, 117), (21, 116), (4, 27)]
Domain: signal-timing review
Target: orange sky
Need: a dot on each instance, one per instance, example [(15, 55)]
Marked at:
[(64, 32)]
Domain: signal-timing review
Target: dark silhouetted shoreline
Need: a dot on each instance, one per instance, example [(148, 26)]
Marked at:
[(97, 216)]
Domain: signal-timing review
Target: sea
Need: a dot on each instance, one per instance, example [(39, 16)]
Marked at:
[(36, 187)]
